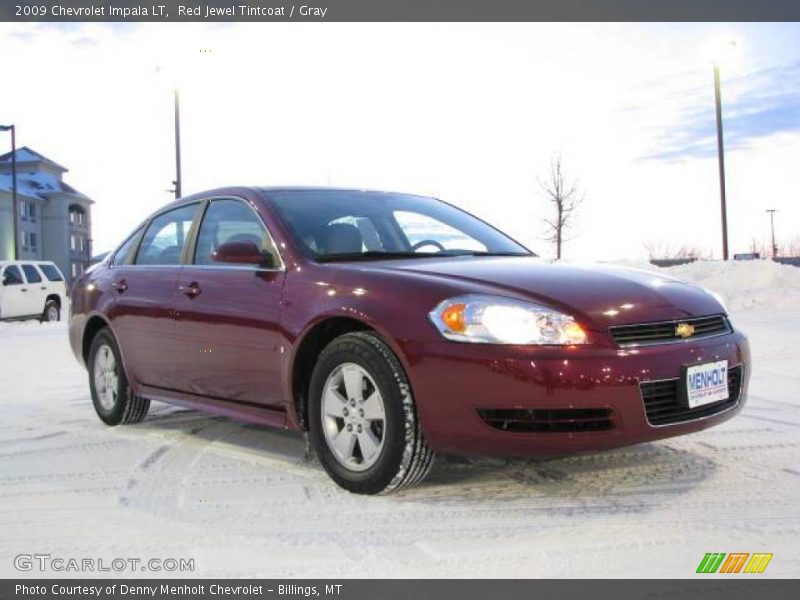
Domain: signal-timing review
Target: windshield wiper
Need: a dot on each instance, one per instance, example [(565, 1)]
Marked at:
[(479, 253), (381, 255), (372, 255)]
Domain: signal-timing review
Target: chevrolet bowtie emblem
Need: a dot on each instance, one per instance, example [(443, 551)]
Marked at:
[(684, 330)]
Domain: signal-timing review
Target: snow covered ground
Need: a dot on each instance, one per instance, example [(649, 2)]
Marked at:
[(242, 500)]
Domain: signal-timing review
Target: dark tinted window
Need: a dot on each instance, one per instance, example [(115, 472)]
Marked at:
[(231, 221), (124, 255), (31, 274), (166, 236), (330, 223), (51, 272), (12, 275)]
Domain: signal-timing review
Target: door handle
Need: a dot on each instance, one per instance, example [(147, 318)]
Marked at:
[(24, 290), (190, 290), (43, 287), (120, 285)]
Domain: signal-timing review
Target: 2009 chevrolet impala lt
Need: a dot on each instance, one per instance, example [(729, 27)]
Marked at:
[(392, 326)]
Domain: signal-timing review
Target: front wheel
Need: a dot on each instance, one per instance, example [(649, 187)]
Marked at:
[(112, 395), (362, 417), (51, 311)]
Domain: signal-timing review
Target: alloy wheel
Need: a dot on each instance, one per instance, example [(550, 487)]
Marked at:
[(353, 417), (106, 380)]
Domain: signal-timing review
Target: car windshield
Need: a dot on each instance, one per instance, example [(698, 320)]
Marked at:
[(330, 225)]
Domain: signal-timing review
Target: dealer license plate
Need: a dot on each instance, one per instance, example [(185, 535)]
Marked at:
[(707, 383)]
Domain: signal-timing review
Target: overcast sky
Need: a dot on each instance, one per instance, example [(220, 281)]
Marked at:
[(471, 113)]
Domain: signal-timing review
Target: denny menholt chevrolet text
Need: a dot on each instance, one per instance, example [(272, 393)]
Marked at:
[(392, 326)]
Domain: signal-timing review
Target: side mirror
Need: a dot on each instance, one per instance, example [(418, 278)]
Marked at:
[(241, 253)]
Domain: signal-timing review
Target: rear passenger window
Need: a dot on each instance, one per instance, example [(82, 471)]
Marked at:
[(51, 272), (166, 236), (31, 274), (124, 255)]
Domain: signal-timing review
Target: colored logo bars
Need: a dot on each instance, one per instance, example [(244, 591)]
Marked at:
[(716, 562)]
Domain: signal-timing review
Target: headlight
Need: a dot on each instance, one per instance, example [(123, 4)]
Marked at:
[(496, 320)]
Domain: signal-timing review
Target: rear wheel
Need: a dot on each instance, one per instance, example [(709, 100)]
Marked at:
[(51, 311), (112, 396), (362, 417)]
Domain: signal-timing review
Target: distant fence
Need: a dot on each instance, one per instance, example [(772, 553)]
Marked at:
[(671, 262), (674, 262), (788, 260)]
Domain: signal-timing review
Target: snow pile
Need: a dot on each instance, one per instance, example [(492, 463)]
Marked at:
[(743, 284)]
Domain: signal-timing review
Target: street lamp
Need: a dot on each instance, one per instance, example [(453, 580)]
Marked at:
[(772, 212), (728, 48), (15, 210)]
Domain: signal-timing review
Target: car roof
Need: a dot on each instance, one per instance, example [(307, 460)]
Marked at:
[(266, 190)]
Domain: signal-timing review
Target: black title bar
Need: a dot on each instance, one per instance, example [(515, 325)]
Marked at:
[(708, 588), (398, 10)]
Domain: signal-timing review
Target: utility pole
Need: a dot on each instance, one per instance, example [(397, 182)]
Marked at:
[(177, 181), (721, 157), (772, 212)]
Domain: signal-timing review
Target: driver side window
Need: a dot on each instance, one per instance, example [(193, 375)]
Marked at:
[(419, 228), (230, 220)]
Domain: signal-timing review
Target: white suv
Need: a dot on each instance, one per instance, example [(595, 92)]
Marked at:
[(31, 290)]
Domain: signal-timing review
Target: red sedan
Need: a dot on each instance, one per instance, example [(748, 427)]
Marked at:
[(392, 326)]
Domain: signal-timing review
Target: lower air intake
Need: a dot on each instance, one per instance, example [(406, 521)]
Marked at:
[(558, 420)]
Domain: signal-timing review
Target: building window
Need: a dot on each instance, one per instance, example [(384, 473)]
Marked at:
[(29, 240), (27, 210), (77, 216), (73, 242)]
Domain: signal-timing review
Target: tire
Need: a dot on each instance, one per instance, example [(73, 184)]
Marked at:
[(51, 312), (403, 457), (112, 396)]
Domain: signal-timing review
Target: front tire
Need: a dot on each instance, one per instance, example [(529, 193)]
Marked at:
[(51, 312), (112, 395), (362, 417)]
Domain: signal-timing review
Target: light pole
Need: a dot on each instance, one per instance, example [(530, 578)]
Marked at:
[(15, 209), (772, 212), (721, 157), (177, 181)]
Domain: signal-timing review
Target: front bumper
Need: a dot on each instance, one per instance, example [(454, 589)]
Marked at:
[(452, 382)]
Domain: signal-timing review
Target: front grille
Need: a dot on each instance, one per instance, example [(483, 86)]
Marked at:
[(541, 420), (663, 405), (665, 331)]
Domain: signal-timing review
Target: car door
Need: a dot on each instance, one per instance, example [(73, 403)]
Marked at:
[(144, 275), (15, 293), (37, 288), (228, 342)]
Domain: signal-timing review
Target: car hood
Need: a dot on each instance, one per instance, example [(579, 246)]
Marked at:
[(600, 295)]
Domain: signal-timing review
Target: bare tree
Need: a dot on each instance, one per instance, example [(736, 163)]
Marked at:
[(693, 252), (760, 247), (658, 248), (564, 198), (792, 248), (661, 249)]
